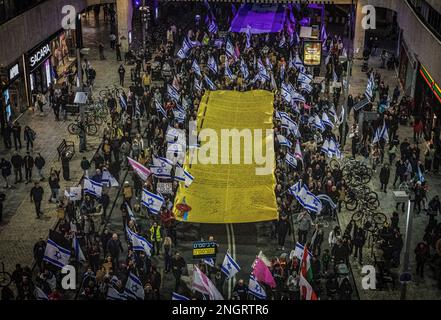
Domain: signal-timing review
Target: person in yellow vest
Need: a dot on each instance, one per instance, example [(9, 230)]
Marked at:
[(155, 238), (146, 81), (127, 192)]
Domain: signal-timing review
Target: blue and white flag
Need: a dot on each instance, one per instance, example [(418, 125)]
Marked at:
[(284, 141), (326, 121), (40, 295), (160, 109), (421, 177), (381, 133), (333, 113), (197, 85), (318, 123), (325, 147), (304, 78), (244, 69), (188, 179), (299, 251), (212, 65), (263, 72), (210, 83), (185, 49), (282, 41), (291, 160), (334, 149), (178, 297), (122, 102), (209, 262), (229, 49), (195, 67), (248, 36), (161, 172), (113, 294), (130, 213), (228, 72), (326, 198), (328, 58), (297, 97), (323, 34), (182, 175), (285, 92), (108, 180), (173, 93), (298, 64), (256, 289), (162, 162), (79, 256), (179, 114), (369, 93), (229, 266), (139, 243), (306, 87), (152, 201), (306, 198), (134, 288), (56, 254), (92, 187)]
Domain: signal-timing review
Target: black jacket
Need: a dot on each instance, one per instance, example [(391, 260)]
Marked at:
[(39, 162), (6, 168), (29, 162), (17, 161)]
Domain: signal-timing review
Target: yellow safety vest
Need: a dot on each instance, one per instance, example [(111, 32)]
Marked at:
[(157, 236)]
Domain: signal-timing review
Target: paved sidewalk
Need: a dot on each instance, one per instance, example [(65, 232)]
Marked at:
[(21, 229)]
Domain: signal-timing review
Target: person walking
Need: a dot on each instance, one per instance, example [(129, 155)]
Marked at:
[(283, 228), (114, 248), (101, 51), (29, 165), (39, 164), (304, 220), (36, 197), (118, 51), (17, 163), (178, 266), (85, 166), (54, 184), (421, 257), (6, 171), (29, 137), (7, 137), (167, 247), (16, 133), (65, 166), (384, 177), (359, 241), (121, 73), (112, 39), (155, 238)]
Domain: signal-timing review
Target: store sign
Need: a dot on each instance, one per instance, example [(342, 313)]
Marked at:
[(39, 55), (14, 72), (312, 53), (204, 249)]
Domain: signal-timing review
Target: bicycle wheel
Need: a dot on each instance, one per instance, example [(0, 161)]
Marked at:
[(351, 205), (92, 129), (5, 279), (334, 164), (357, 216), (98, 120), (372, 204), (379, 218), (73, 128)]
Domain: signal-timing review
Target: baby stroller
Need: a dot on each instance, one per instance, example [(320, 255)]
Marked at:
[(342, 272)]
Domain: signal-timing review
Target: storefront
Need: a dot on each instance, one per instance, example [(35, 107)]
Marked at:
[(48, 62), (428, 98), (407, 68)]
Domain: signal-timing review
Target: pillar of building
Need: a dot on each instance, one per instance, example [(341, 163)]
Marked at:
[(124, 15), (360, 32)]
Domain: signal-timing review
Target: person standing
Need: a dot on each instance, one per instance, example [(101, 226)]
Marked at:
[(65, 166), (29, 137), (85, 165), (121, 73), (178, 266), (283, 228), (16, 132), (421, 257), (39, 248), (155, 238), (54, 184), (305, 222), (29, 165), (112, 39), (39, 164), (114, 248), (101, 50), (359, 241), (36, 197), (2, 198), (7, 137), (384, 177), (6, 171), (118, 51)]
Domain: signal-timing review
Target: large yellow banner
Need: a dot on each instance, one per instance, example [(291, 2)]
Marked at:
[(232, 183)]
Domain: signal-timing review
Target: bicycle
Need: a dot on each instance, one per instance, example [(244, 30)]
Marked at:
[(5, 277), (113, 91), (75, 128)]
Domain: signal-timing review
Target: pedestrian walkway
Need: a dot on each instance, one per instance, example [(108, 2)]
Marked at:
[(21, 229)]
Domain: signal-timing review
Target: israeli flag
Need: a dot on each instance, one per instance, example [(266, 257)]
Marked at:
[(244, 69), (210, 83), (171, 136), (197, 85), (421, 177), (328, 58), (282, 41), (291, 160), (229, 266), (306, 87), (298, 64), (304, 78), (333, 113), (195, 67), (326, 121), (209, 262), (229, 49), (325, 147), (308, 200), (178, 297), (334, 149), (92, 187), (179, 114), (139, 243), (39, 294), (323, 34), (122, 102), (295, 188), (324, 197), (263, 72), (162, 162), (285, 92), (188, 179), (297, 97), (160, 172), (113, 294), (248, 36), (369, 93), (185, 49), (160, 109), (130, 213), (284, 141), (256, 289), (56, 254), (134, 288), (108, 180), (212, 26), (228, 72), (381, 133), (152, 201), (318, 123), (79, 256), (212, 65), (173, 93)]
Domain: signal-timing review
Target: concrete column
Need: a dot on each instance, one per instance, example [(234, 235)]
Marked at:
[(124, 17), (360, 33)]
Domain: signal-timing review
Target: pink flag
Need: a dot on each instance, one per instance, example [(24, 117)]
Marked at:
[(263, 274), (142, 171), (204, 285), (298, 151)]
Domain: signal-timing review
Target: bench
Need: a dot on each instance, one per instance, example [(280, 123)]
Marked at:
[(64, 147)]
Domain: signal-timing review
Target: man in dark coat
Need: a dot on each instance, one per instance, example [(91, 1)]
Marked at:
[(114, 249), (17, 163), (29, 165), (36, 197), (283, 228), (384, 177)]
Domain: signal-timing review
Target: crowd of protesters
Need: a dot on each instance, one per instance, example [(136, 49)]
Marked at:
[(138, 130)]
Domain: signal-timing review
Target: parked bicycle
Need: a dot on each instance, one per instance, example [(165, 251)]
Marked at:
[(5, 277)]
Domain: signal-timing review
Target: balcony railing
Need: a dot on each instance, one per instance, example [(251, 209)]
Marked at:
[(430, 17), (9, 9)]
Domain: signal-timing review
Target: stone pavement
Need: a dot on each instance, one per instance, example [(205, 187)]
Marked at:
[(21, 229), (419, 288)]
